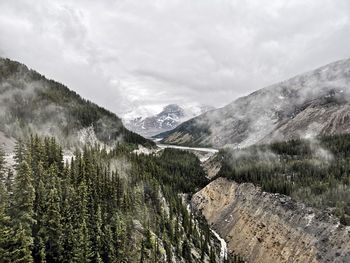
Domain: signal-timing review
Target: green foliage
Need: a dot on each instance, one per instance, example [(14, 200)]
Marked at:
[(179, 169), (99, 207), (21, 252), (316, 172), (35, 104), (2, 164), (5, 226)]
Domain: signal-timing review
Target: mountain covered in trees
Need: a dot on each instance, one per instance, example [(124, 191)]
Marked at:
[(310, 104), (30, 103), (314, 171)]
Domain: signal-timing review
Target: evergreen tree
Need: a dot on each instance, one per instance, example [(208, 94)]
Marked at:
[(82, 248), (52, 219), (21, 252), (212, 257), (82, 251), (2, 164), (5, 227), (40, 208), (109, 254), (24, 196), (20, 152), (186, 251), (142, 252), (84, 210), (41, 254), (98, 236)]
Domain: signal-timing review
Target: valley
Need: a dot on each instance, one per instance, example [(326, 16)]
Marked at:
[(273, 188), (85, 195), (174, 131)]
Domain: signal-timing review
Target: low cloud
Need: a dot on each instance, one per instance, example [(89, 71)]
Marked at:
[(128, 55)]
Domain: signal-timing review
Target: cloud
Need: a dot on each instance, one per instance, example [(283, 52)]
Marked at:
[(128, 54)]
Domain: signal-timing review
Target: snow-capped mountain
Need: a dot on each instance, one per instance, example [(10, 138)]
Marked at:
[(313, 103), (170, 117)]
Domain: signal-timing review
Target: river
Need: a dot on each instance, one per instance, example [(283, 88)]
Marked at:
[(223, 252), (207, 151), (199, 149)]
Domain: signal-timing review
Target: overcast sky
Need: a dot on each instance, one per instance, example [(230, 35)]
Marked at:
[(142, 54)]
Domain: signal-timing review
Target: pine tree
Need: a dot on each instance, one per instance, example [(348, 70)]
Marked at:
[(9, 184), (2, 164), (109, 254), (98, 236), (41, 254), (120, 236), (20, 153), (148, 242), (40, 208), (168, 248), (212, 257), (69, 216), (82, 248), (142, 252), (52, 218), (21, 252), (186, 251), (82, 251), (24, 196), (5, 228)]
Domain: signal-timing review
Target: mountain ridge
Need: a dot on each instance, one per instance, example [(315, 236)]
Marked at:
[(31, 103), (264, 115)]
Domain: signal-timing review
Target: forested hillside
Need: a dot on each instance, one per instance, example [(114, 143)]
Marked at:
[(315, 171), (100, 206), (30, 103)]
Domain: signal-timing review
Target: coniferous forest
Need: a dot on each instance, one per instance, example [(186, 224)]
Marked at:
[(315, 171), (34, 104), (100, 206)]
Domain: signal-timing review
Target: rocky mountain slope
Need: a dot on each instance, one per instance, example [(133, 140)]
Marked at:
[(30, 103), (169, 118), (313, 103), (264, 227)]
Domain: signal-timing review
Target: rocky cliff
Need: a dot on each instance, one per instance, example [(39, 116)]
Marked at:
[(264, 227)]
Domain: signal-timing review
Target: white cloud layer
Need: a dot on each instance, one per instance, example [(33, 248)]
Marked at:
[(129, 54)]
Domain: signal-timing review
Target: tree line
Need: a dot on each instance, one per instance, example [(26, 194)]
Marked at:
[(316, 171)]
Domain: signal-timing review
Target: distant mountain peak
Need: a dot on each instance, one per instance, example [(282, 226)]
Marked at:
[(170, 117), (172, 108)]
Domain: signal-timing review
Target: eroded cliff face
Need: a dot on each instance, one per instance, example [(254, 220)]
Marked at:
[(264, 227)]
